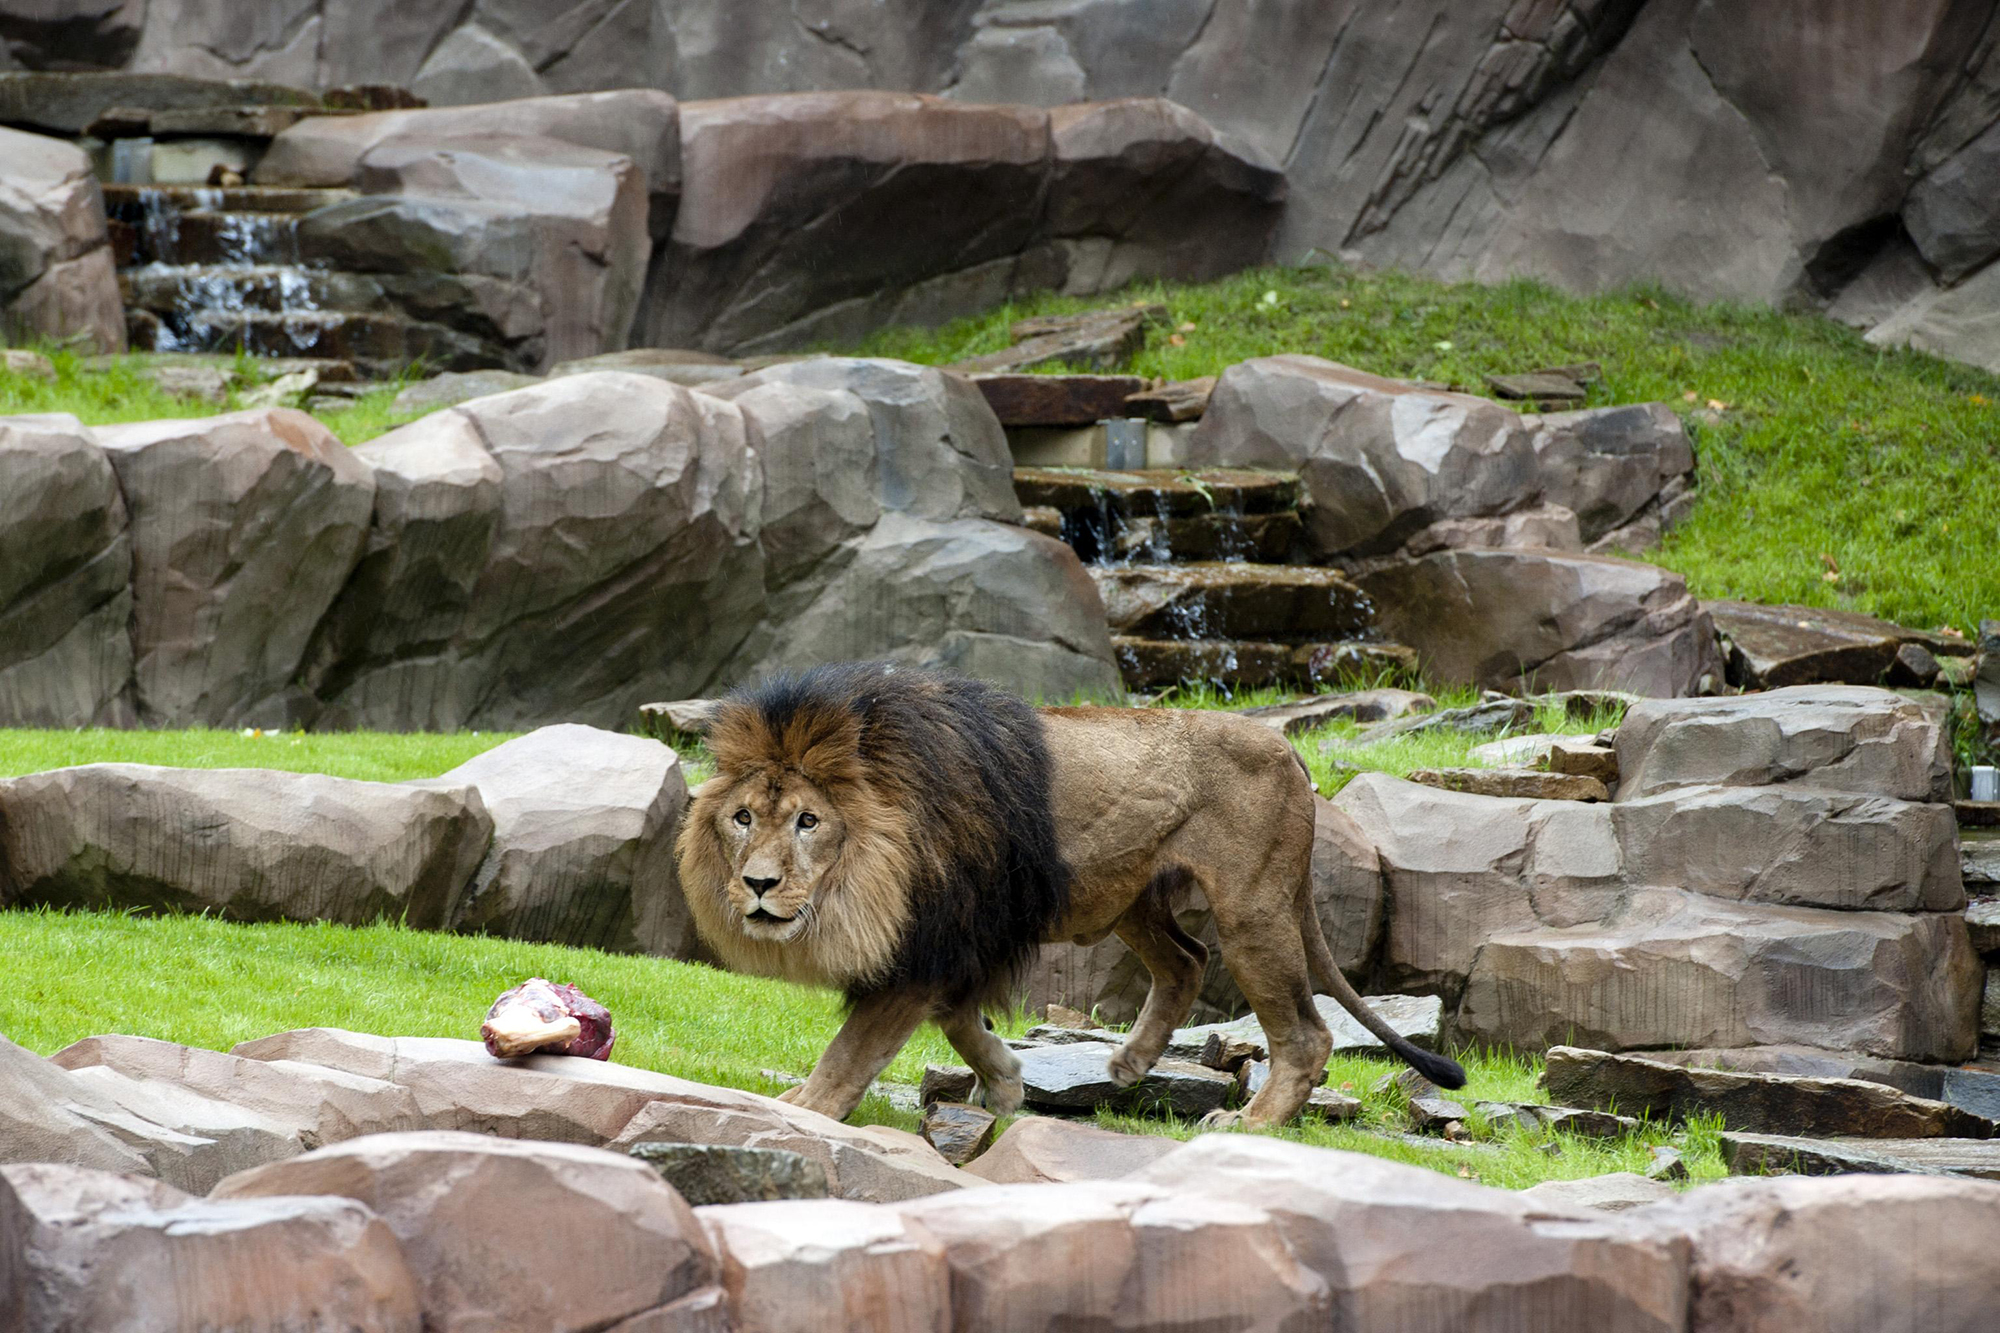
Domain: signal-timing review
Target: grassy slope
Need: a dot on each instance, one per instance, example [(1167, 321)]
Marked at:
[(209, 983), (370, 756), (1825, 448)]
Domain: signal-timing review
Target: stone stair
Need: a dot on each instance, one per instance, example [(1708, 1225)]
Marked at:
[(223, 269), (1191, 569)]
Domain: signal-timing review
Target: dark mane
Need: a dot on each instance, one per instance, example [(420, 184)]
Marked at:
[(969, 766)]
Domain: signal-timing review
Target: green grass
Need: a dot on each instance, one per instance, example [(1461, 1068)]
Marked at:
[(209, 983), (1829, 455), (373, 756), (119, 390)]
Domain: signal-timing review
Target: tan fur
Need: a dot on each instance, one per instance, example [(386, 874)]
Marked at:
[(1141, 795)]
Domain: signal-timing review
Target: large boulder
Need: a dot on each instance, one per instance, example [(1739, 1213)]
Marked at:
[(277, 846), (1804, 848), (1382, 460), (1144, 188), (1119, 1254), (504, 1234), (243, 529), (583, 842), (613, 532), (57, 279), (778, 240), (457, 1085), (46, 1116), (1669, 968), (86, 1249), (1820, 738), (65, 578), (1526, 620), (1402, 1246), (1849, 1254), (806, 1265)]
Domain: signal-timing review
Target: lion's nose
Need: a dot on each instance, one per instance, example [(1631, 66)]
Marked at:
[(760, 885)]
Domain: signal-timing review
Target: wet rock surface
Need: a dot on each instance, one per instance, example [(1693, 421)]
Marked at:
[(705, 1173)]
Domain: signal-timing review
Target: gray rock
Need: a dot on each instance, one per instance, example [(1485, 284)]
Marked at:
[(1775, 646), (583, 835), (1044, 1150), (788, 1260), (1589, 1123), (1417, 1017), (1770, 1255), (458, 386), (1824, 738), (706, 1174), (283, 846), (1382, 459), (68, 1228), (1075, 1078), (1533, 619), (47, 1116), (1664, 968), (1433, 1115), (1377, 705), (959, 1132), (672, 364), (56, 278), (1100, 340), (946, 1084), (1801, 847), (1760, 1103), (65, 579), (56, 101), (1612, 1193), (1788, 1154), (1949, 212), (1666, 1164), (243, 529), (472, 65), (1982, 919), (1525, 783)]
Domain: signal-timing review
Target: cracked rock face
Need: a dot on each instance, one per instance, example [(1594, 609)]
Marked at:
[(56, 274)]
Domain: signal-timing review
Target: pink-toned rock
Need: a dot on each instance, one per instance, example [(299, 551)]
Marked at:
[(1839, 1254), (814, 1265), (56, 274), (1118, 1254), (87, 1250), (1404, 1247), (1037, 1150), (503, 1234), (457, 1085)]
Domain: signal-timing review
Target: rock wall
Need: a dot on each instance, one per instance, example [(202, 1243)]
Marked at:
[(566, 551), (1838, 151)]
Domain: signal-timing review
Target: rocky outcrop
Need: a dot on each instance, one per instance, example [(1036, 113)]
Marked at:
[(1770, 647), (57, 279), (243, 529), (1528, 620), (1381, 460), (504, 1234), (297, 847), (65, 578), (583, 842)]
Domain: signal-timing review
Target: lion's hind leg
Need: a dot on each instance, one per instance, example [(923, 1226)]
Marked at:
[(997, 1068), (1266, 954), (1175, 960)]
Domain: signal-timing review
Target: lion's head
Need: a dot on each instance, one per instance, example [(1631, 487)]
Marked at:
[(860, 821)]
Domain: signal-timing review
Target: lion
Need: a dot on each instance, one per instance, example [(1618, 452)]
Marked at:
[(910, 838)]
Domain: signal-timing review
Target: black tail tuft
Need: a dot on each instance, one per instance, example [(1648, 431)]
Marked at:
[(1445, 1073)]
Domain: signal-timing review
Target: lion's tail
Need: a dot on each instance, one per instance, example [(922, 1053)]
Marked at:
[(1327, 979)]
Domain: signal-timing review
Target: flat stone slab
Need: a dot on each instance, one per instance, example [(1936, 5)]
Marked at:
[(1076, 1078), (1417, 1017), (1057, 400), (1772, 646), (1148, 663), (1094, 340), (1612, 1193), (1756, 1103), (1982, 919), (1303, 715), (1541, 385), (1769, 1154), (1176, 400), (1979, 858), (707, 1173), (1525, 783), (1166, 493), (1216, 599)]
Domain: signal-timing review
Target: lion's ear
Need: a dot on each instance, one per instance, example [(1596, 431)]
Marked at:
[(696, 792)]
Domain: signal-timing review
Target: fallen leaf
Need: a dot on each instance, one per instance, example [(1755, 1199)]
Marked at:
[(1951, 631), (1187, 327), (1464, 1172), (1717, 405), (1177, 341), (1831, 576), (1978, 400), (1444, 346), (1690, 396), (1344, 303)]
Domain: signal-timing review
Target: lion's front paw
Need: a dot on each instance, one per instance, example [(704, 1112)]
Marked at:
[(1127, 1066), (1215, 1120), (1001, 1096)]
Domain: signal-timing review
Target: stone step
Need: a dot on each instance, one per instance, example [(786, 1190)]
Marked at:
[(1251, 664), (170, 237), (1770, 1154), (1159, 493), (1228, 600), (1260, 538), (131, 202), (378, 345), (170, 288)]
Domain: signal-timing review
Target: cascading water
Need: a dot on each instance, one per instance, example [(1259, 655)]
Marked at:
[(217, 272), (1193, 570)]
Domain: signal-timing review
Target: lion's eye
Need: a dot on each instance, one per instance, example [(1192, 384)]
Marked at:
[(808, 820), (743, 818)]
